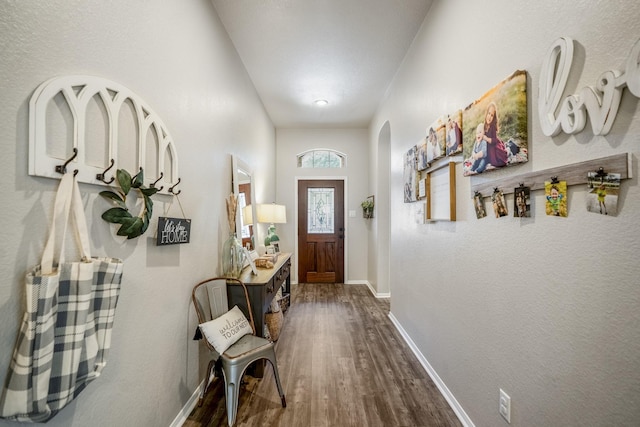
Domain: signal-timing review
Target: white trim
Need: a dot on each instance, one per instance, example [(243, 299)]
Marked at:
[(457, 408), (376, 294), (187, 408)]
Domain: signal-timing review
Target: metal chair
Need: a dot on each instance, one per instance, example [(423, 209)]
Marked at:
[(210, 301)]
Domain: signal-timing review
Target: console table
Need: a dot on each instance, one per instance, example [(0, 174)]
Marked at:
[(262, 289)]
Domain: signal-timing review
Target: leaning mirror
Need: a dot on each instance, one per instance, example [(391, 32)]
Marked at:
[(243, 189)]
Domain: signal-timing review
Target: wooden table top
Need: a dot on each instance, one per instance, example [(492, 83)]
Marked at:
[(264, 274)]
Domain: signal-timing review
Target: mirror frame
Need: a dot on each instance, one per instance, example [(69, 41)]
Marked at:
[(238, 166)]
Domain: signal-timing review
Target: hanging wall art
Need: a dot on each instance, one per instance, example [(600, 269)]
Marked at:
[(604, 189), (454, 133), (502, 112), (410, 176), (556, 195)]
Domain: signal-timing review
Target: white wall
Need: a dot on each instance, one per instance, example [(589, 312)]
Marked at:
[(545, 308), (177, 57), (353, 143)]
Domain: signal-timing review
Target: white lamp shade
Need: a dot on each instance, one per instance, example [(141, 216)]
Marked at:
[(272, 214), (247, 215)]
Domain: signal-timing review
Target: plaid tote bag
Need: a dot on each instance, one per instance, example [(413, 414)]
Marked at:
[(65, 333)]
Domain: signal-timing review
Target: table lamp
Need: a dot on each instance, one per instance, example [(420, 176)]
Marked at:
[(271, 214)]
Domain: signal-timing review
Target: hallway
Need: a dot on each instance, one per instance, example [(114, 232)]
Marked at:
[(342, 363)]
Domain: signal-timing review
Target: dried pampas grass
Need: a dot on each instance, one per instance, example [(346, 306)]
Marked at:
[(232, 208)]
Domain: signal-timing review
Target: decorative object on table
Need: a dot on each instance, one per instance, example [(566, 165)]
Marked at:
[(232, 251), (604, 189), (276, 247), (522, 202), (65, 335), (267, 260), (367, 207), (271, 214), (249, 259), (497, 121), (499, 204), (130, 226), (453, 129), (410, 177), (478, 204), (556, 197)]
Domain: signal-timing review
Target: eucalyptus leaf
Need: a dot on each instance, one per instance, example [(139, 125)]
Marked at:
[(116, 215), (138, 179), (149, 208), (130, 227), (114, 197), (145, 225), (149, 191), (124, 180), (138, 231)]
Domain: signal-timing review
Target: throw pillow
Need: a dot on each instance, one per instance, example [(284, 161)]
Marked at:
[(226, 330)]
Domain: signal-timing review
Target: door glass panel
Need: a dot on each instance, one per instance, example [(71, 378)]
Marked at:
[(320, 210)]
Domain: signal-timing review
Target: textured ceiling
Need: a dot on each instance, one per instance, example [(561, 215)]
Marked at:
[(344, 51)]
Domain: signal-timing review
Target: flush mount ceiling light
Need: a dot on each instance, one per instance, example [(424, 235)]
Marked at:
[(321, 102)]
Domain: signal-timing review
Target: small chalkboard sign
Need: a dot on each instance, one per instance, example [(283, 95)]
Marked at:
[(173, 231)]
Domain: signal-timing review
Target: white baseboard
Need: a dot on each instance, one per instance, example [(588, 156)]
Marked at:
[(457, 408), (373, 291), (187, 408), (363, 282)]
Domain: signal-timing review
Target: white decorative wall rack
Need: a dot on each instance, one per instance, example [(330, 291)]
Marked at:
[(95, 126)]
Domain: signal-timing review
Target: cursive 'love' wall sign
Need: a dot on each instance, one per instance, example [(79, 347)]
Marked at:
[(600, 103)]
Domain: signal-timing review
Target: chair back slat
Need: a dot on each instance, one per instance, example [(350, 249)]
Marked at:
[(211, 301)]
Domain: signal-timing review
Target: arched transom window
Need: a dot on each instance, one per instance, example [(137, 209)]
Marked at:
[(322, 158)]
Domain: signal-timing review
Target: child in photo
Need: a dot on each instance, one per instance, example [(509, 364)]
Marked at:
[(479, 152)]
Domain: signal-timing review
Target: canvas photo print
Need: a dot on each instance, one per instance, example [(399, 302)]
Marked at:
[(410, 183), (495, 127), (421, 155), (453, 129), (604, 189), (436, 141)]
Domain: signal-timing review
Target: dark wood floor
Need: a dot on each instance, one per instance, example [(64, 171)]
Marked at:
[(342, 363)]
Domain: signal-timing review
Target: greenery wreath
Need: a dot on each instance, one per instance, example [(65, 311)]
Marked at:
[(131, 226)]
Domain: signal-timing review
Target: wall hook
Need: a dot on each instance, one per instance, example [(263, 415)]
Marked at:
[(101, 176), (170, 190), (63, 168), (153, 184)]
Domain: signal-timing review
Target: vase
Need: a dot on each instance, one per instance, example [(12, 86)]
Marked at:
[(232, 257)]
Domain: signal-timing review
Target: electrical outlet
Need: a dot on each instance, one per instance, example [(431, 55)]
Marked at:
[(505, 406)]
